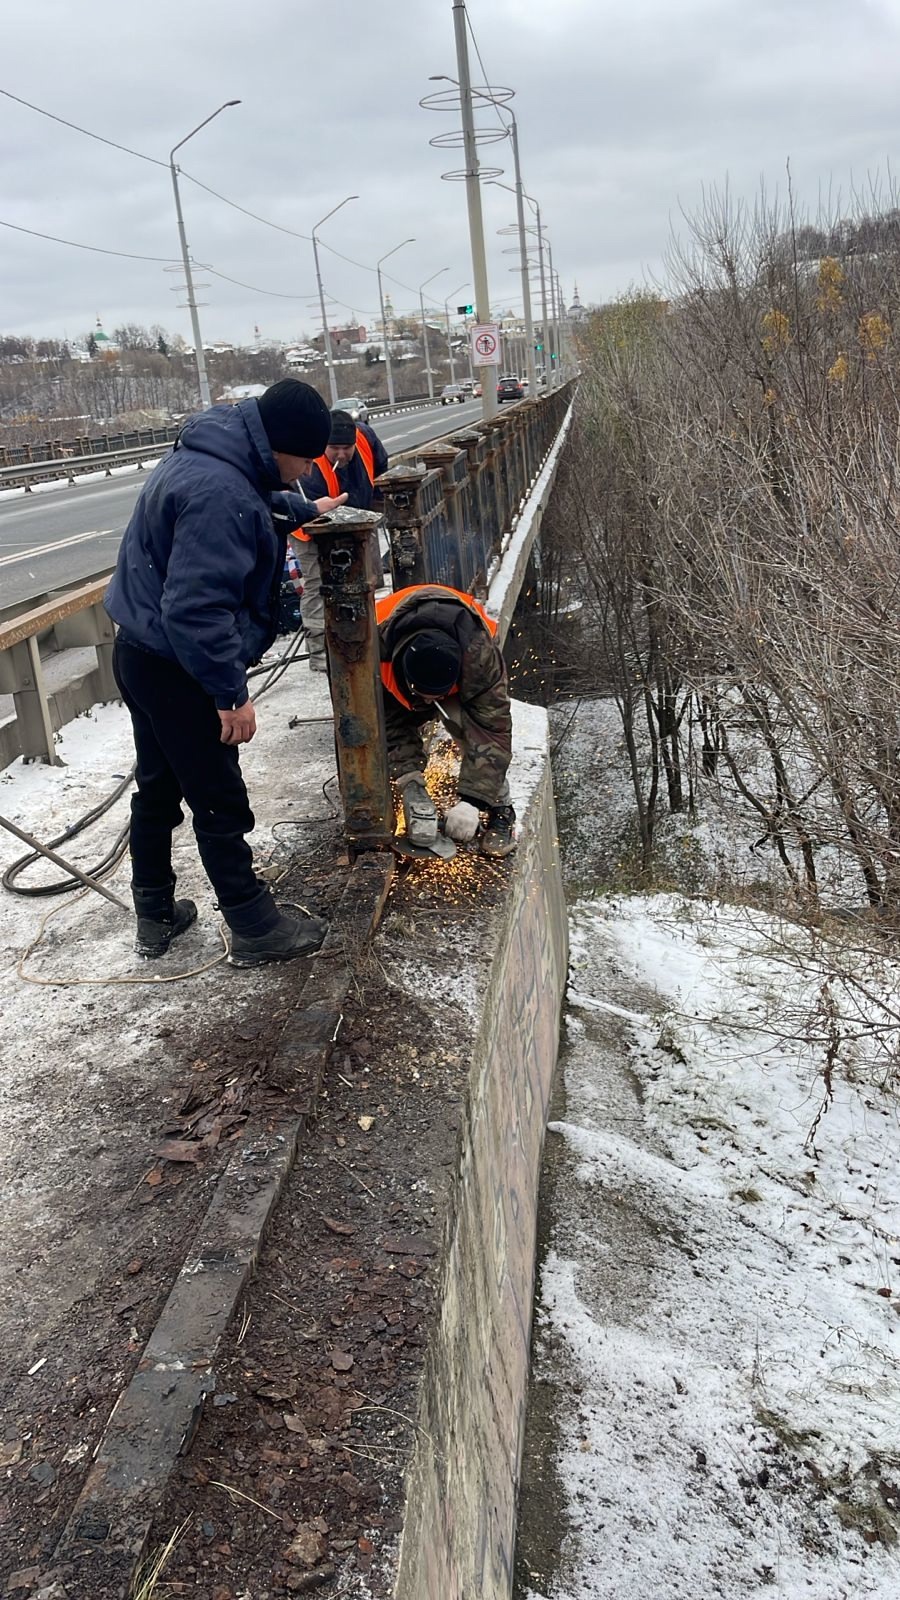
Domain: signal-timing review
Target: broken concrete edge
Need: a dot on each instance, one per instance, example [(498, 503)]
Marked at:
[(155, 1418), (462, 1483)]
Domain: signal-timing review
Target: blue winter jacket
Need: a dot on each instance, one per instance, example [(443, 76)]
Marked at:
[(200, 565)]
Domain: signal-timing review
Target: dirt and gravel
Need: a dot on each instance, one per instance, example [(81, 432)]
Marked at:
[(137, 1219), (295, 1478)]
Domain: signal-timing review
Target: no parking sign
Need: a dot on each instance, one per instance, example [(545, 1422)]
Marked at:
[(486, 345)]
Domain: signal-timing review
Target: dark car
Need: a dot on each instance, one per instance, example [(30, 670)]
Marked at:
[(510, 389), (451, 392)]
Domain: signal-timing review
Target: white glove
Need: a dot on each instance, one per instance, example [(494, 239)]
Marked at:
[(418, 809), (462, 821)]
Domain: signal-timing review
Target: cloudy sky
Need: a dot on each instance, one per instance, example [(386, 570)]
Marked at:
[(625, 112)]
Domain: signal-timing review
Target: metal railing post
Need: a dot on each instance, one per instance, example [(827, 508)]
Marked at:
[(347, 543)]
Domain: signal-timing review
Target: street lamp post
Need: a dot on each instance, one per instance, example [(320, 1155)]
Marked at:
[(329, 354), (428, 370), (447, 317), (199, 357), (473, 200), (387, 342)]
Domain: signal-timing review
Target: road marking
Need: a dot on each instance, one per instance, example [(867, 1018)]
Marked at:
[(50, 549)]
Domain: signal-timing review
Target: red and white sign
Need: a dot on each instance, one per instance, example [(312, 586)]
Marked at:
[(486, 345)]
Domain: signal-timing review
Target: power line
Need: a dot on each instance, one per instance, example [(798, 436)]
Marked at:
[(276, 294), (154, 161), (86, 131), (96, 249), (256, 218)]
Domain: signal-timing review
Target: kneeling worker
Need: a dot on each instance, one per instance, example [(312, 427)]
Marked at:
[(438, 651), (348, 466)]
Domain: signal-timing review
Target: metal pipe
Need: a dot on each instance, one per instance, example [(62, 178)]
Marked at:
[(199, 357)]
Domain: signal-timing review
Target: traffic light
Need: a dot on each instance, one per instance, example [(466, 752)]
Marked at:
[(464, 311), (539, 347)]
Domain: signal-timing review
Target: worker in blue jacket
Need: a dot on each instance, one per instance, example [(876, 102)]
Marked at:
[(195, 596), (351, 461)]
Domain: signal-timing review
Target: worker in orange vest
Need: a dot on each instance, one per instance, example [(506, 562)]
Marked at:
[(351, 461), (439, 654)]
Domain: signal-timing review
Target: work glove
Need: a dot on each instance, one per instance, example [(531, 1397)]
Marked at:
[(419, 810), (462, 822)]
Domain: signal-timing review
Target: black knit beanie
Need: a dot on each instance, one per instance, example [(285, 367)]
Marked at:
[(430, 662), (296, 419), (343, 428)]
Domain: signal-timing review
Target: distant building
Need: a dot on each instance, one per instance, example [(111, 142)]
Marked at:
[(577, 312), (103, 343)]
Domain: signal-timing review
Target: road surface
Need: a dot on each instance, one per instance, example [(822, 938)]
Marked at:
[(52, 538)]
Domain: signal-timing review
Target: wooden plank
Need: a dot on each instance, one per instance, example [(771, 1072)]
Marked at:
[(44, 616)]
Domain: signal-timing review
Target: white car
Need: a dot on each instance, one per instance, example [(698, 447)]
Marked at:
[(356, 408)]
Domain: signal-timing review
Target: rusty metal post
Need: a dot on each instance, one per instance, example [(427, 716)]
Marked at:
[(349, 557), (450, 461), (399, 488), (424, 548)]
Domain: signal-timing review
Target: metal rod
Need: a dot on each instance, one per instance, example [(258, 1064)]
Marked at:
[(59, 861)]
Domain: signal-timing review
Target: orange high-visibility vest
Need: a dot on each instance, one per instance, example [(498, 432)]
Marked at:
[(331, 477), (389, 603)]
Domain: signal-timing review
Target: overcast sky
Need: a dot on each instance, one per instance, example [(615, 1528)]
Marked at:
[(625, 111)]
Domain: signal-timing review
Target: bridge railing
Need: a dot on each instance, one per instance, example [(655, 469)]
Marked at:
[(450, 516), (449, 508)]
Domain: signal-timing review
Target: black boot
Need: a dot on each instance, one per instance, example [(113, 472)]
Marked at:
[(160, 918), (260, 932), (499, 837)]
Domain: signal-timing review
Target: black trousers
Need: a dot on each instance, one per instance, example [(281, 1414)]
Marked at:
[(180, 756)]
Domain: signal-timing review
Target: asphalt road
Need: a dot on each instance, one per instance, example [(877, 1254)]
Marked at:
[(54, 537)]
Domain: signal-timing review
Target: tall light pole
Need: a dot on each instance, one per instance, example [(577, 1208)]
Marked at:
[(387, 342), (473, 201), (329, 354), (540, 233), (428, 370), (554, 310), (205, 400), (519, 193), (447, 318)]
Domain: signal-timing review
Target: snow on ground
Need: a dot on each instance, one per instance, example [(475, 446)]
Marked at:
[(720, 1305), (84, 1068)]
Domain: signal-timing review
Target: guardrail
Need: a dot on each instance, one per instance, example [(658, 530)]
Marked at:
[(23, 465), (449, 507)]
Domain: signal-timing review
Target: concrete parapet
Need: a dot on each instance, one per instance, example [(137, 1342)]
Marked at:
[(462, 1482)]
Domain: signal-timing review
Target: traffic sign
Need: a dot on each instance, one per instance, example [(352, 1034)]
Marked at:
[(486, 345)]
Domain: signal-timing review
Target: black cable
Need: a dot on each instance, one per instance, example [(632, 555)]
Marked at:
[(62, 886)]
